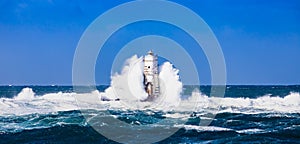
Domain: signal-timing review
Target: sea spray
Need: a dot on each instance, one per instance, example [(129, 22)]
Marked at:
[(170, 85), (128, 85), (64, 101), (288, 104), (25, 94), (27, 102)]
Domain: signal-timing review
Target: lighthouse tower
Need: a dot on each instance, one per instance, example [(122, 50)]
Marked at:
[(151, 82)]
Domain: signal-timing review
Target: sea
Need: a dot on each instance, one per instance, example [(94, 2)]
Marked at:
[(245, 114)]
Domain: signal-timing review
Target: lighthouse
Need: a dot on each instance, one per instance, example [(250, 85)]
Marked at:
[(151, 80)]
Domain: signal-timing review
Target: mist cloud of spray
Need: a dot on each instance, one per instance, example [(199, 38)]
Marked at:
[(128, 84)]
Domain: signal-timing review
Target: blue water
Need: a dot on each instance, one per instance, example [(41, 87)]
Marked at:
[(249, 114)]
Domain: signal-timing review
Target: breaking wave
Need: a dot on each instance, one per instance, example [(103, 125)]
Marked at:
[(289, 103), (127, 86), (67, 113), (26, 102)]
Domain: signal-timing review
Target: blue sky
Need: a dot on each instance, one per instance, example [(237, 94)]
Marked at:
[(260, 39)]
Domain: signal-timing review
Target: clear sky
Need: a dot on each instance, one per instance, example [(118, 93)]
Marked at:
[(260, 39)]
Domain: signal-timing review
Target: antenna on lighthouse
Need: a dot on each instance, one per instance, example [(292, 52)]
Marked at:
[(151, 80)]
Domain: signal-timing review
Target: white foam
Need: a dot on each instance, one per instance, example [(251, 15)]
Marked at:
[(128, 86), (25, 94), (170, 85), (26, 102), (177, 115), (287, 104), (203, 128), (251, 131)]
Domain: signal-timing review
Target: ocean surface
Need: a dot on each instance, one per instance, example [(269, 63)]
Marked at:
[(246, 114)]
